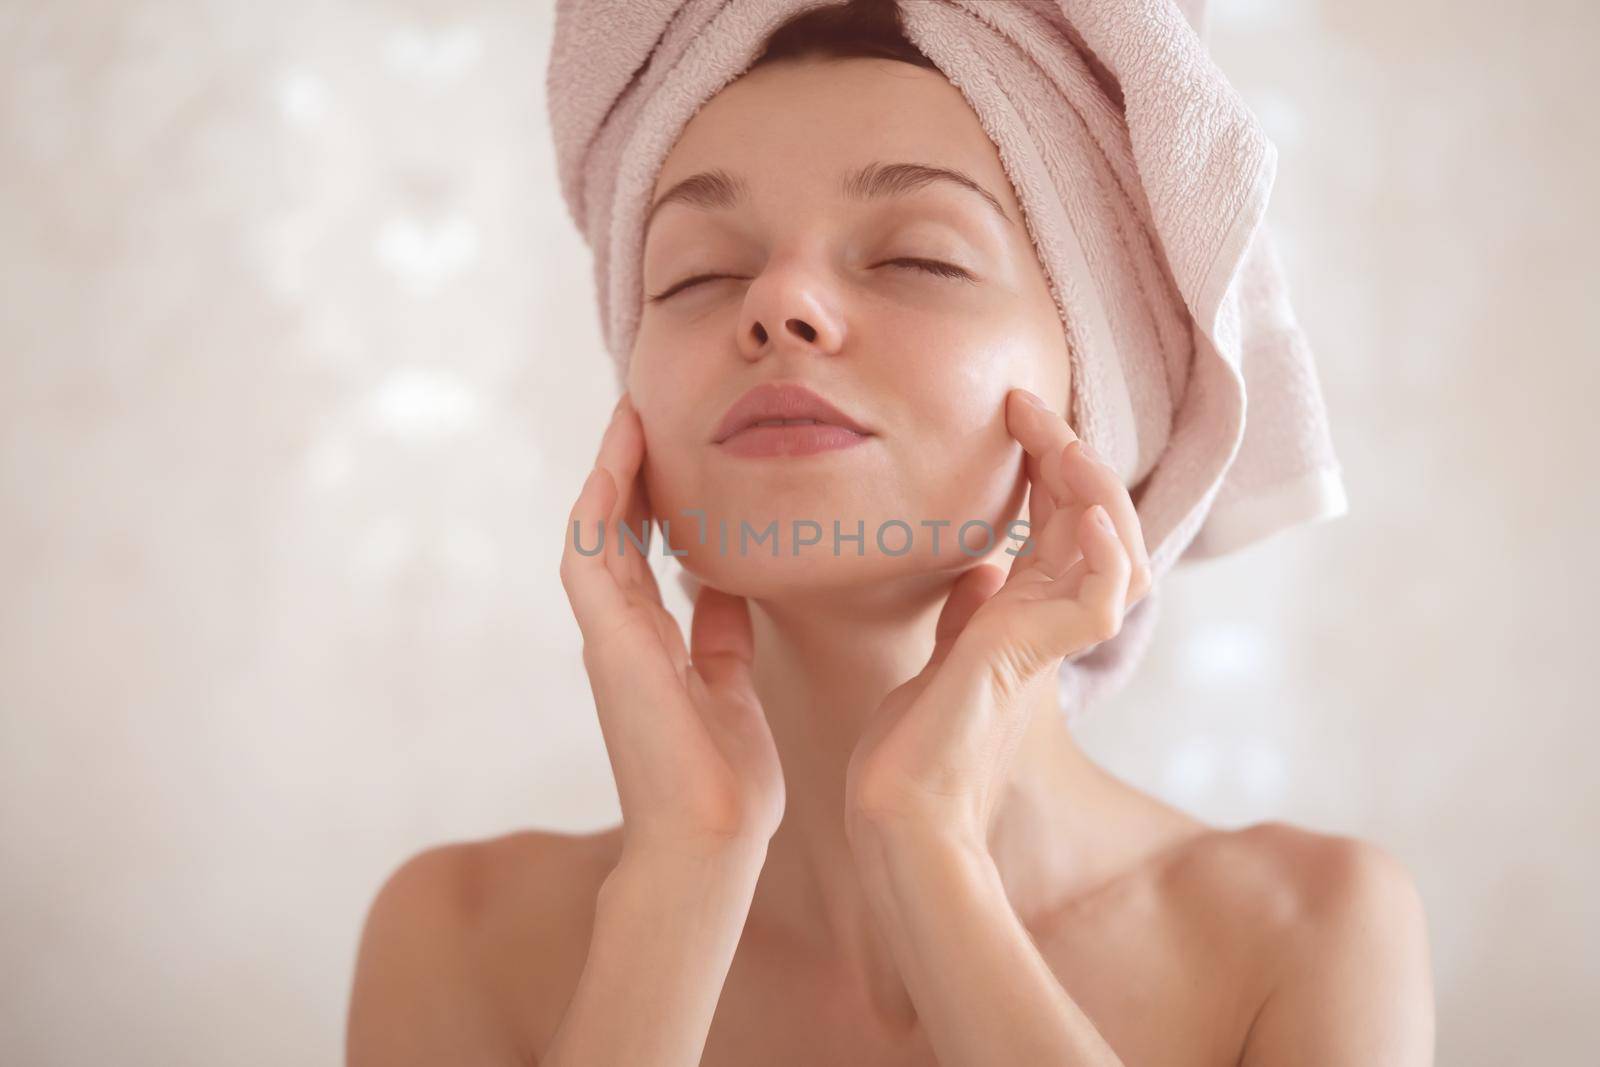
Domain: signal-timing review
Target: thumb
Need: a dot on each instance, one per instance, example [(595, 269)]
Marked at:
[(721, 641), (971, 591)]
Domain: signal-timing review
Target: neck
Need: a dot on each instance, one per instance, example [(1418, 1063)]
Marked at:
[(821, 667)]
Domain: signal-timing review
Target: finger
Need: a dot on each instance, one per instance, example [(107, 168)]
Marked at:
[(590, 587), (1096, 587), (1043, 434), (970, 592), (1057, 547), (669, 632), (721, 640), (639, 518), (1041, 509), (1041, 501), (1084, 608), (623, 450), (605, 454), (1078, 479), (1095, 482), (1104, 594), (719, 678), (622, 454)]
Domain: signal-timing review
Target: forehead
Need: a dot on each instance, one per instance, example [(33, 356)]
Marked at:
[(796, 124)]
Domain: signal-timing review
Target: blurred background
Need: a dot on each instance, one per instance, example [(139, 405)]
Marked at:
[(300, 370)]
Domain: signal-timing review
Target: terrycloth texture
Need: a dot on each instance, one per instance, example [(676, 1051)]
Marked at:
[(1144, 181)]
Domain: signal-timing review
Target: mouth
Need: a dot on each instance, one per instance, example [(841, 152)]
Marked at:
[(786, 418)]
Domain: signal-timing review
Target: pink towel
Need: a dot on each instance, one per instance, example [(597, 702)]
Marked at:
[(1144, 181)]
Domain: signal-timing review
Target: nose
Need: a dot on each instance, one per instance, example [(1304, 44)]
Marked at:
[(788, 307)]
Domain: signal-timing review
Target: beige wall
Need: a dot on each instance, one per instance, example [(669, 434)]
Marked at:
[(299, 371)]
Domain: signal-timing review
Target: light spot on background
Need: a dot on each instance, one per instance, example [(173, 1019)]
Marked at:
[(388, 544), (1224, 653), (329, 464), (434, 58), (1191, 770), (469, 552), (284, 246), (1263, 773), (418, 402), (302, 98), (424, 256), (1261, 14)]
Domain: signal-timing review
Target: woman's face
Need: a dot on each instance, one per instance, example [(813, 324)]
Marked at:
[(812, 285)]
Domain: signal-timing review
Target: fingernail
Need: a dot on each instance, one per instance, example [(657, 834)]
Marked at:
[(1103, 517), (1092, 454), (1033, 399)]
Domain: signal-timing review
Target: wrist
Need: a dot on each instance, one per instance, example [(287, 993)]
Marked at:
[(929, 836), (924, 883), (903, 857), (690, 861)]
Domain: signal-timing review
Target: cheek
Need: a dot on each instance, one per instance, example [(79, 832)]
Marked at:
[(960, 376), (662, 377), (967, 459), (668, 391), (971, 467)]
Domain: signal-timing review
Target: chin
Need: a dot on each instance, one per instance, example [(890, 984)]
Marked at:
[(737, 558), (815, 574)]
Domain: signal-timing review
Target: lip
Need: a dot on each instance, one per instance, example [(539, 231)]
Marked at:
[(739, 433)]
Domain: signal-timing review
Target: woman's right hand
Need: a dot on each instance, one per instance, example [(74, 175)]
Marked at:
[(694, 759)]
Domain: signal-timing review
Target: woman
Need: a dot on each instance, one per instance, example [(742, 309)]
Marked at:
[(856, 827)]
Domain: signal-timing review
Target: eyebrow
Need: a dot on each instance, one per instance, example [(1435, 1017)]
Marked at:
[(718, 190)]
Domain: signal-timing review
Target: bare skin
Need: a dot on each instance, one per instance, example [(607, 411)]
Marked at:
[(856, 828), (1172, 956)]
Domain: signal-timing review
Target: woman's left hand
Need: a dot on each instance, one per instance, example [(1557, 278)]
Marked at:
[(935, 756)]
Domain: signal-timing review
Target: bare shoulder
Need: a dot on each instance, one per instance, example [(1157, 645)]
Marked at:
[(469, 946), (1340, 933), (1289, 877)]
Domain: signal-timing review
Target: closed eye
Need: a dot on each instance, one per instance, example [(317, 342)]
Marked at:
[(685, 284), (929, 266), (932, 266)]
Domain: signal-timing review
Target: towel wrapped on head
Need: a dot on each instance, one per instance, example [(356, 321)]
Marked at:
[(1144, 181)]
